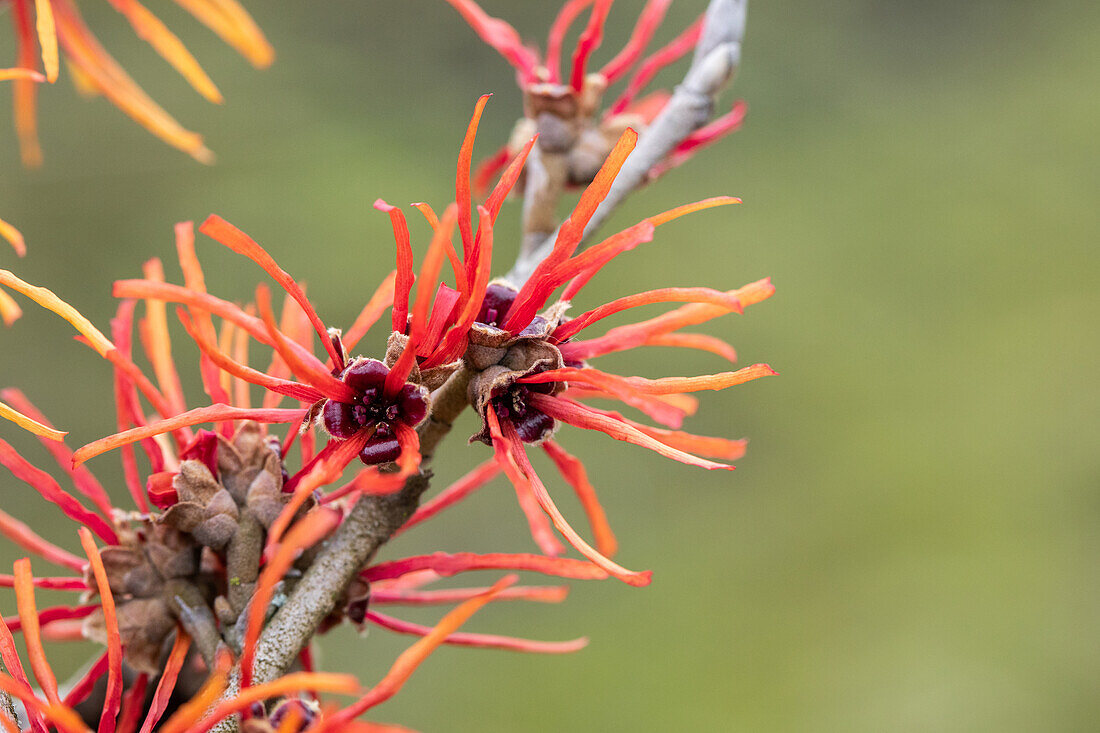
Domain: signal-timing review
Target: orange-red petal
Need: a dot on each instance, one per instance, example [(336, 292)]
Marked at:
[(412, 657), (198, 416), (305, 533), (483, 641), (113, 694)]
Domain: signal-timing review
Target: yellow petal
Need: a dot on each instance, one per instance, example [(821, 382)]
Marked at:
[(10, 233), (150, 28), (47, 38), (9, 413), (48, 300)]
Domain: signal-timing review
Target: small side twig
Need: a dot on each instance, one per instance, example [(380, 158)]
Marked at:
[(193, 611)]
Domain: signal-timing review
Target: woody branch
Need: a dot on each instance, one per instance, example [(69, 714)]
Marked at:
[(714, 65)]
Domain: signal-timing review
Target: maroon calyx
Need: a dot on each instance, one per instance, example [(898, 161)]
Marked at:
[(498, 299), (373, 409)]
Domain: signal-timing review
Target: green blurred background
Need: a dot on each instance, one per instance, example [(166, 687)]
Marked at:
[(911, 543)]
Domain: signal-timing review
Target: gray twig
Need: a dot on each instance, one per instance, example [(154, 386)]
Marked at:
[(691, 106)]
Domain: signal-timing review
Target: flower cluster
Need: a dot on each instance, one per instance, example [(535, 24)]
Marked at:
[(577, 131), (52, 29), (230, 522)]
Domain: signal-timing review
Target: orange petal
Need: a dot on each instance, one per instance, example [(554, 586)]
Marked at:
[(198, 416), (401, 597), (462, 178), (621, 338), (572, 470), (679, 385), (412, 657), (555, 39), (572, 327), (30, 425), (158, 344), (662, 386), (583, 266), (47, 38), (113, 694), (32, 633), (49, 301), (482, 641), (462, 281), (167, 683), (705, 445), (10, 312), (84, 51), (234, 26), (581, 416), (305, 533), (700, 341), (538, 287), (453, 494), (236, 240), (589, 41), (648, 22), (404, 282), (446, 565), (511, 453), (150, 29), (19, 72)]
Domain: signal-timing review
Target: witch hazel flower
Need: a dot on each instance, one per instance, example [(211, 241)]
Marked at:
[(191, 568), (48, 30), (528, 370), (374, 409), (577, 130)]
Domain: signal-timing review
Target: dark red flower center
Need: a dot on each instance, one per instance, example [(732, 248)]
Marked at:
[(531, 425), (372, 409)]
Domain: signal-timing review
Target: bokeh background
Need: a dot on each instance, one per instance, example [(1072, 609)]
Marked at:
[(911, 543)]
